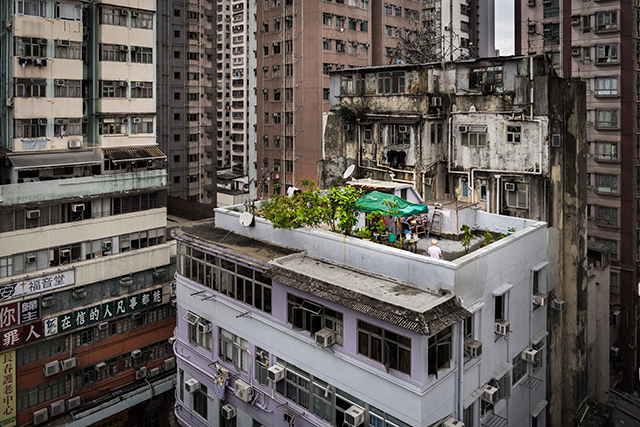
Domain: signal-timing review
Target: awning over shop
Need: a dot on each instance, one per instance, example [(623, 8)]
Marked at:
[(374, 202), (134, 154), (53, 160)]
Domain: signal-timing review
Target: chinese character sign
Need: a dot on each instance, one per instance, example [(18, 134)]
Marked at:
[(31, 332), (50, 326), (8, 392), (39, 284), (29, 310), (9, 315), (10, 338)]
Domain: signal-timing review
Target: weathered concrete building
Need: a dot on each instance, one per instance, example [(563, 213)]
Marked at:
[(506, 134)]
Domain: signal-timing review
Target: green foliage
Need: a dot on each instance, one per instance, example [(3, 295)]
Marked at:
[(352, 111), (377, 222), (364, 232), (488, 238), (343, 202), (466, 238)]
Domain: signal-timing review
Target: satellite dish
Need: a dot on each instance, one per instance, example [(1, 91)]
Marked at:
[(246, 219), (349, 171)]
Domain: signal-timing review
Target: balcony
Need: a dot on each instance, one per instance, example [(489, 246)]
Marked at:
[(37, 192)]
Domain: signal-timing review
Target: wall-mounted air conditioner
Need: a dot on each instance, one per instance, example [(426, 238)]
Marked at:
[(69, 363), (472, 348), (154, 372), (204, 328), (169, 364), (557, 304), (192, 385), (503, 327), (489, 393), (40, 416), (325, 337), (354, 416), (51, 368), (136, 353), (275, 373), (75, 143), (126, 281), (101, 366), (530, 355), (77, 207), (103, 326), (229, 411), (243, 391), (540, 299), (74, 402), (141, 373)]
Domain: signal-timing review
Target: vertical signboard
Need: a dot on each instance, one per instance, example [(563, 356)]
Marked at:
[(8, 391)]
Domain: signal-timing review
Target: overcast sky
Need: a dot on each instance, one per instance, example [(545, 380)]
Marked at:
[(504, 26)]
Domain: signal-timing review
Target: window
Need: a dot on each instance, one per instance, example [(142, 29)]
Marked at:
[(391, 82), (113, 89), (468, 415), (144, 90), (607, 119), (67, 127), (111, 16), (311, 317), (513, 134), (325, 94), (113, 52), (30, 128), (295, 386), (176, 75), (504, 390), (110, 125), (606, 183), (500, 306), (199, 330), (516, 194), (473, 135), (606, 86), (262, 364), (613, 283), (326, 44), (68, 50), (276, 48), (607, 21), (605, 150), (30, 88), (276, 118), (326, 18), (288, 23), (388, 9), (201, 401), (288, 118), (388, 31), (276, 71), (551, 8), (233, 350), (364, 49), (31, 8), (33, 47), (612, 244), (606, 216), (67, 11), (607, 54), (276, 141), (142, 125), (551, 34), (464, 187), (391, 349), (142, 55), (276, 25), (288, 93), (519, 368)]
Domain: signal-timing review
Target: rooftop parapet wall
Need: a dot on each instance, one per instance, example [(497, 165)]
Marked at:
[(404, 266)]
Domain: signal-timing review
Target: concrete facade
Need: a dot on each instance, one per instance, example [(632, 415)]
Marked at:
[(85, 276), (357, 284)]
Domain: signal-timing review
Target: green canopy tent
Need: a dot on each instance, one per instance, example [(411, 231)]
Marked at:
[(374, 202)]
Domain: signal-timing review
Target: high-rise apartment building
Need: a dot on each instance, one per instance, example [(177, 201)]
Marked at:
[(85, 270), (298, 44), (462, 29), (595, 41), (186, 92)]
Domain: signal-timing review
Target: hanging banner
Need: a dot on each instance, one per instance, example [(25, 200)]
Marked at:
[(8, 392)]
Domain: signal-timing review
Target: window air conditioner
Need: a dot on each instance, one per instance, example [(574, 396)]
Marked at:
[(575, 51), (69, 363), (275, 373), (169, 364), (135, 14), (575, 20), (557, 304), (33, 214), (124, 120), (192, 385), (124, 84), (140, 84), (204, 328), (615, 318), (48, 301), (436, 101), (509, 186), (62, 42), (40, 416), (346, 127), (325, 337), (106, 244), (154, 372), (489, 393), (103, 326), (51, 368), (59, 82), (79, 293), (463, 129), (614, 351), (136, 353), (65, 253), (354, 416), (44, 41), (74, 402), (75, 143), (124, 12), (243, 391), (125, 281), (529, 355), (540, 300), (136, 120), (85, 120), (101, 366), (158, 272), (472, 348), (228, 411), (503, 327), (141, 373), (452, 422), (531, 2), (531, 29), (31, 258), (77, 207)]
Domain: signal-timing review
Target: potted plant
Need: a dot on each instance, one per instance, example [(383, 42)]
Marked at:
[(365, 233)]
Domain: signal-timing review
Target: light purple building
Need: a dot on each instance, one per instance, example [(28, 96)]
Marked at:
[(308, 327)]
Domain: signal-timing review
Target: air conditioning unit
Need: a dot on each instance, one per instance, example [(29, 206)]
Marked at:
[(65, 253), (346, 127), (169, 364), (77, 207), (531, 29), (140, 84), (615, 318), (69, 363), (44, 41), (103, 326), (192, 385), (135, 316), (106, 244), (31, 258), (85, 120), (154, 372), (529, 355), (59, 82), (159, 272), (62, 42), (489, 393), (51, 368), (540, 299), (171, 340), (614, 351), (229, 411), (101, 366), (575, 51), (472, 348), (557, 304), (136, 353), (503, 327), (509, 186), (275, 373), (33, 214), (48, 301), (9, 102), (402, 129), (75, 143), (125, 281), (136, 120), (325, 337), (79, 293), (43, 121), (135, 14), (204, 328), (531, 2), (452, 422), (124, 12), (463, 129), (124, 84), (40, 416), (575, 20), (243, 391), (436, 101), (141, 373), (74, 402), (124, 120), (354, 416)]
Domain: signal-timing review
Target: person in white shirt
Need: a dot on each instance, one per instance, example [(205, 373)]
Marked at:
[(434, 251)]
